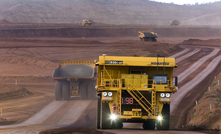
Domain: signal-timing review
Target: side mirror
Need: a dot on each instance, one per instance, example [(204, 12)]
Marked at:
[(176, 81)]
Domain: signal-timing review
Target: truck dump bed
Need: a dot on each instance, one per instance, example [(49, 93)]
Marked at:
[(74, 70)]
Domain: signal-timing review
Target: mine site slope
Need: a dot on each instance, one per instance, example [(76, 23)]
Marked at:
[(109, 12)]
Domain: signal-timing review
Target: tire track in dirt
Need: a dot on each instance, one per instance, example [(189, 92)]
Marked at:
[(40, 116), (196, 65), (7, 52), (187, 55), (46, 56), (191, 84), (40, 121), (180, 53)]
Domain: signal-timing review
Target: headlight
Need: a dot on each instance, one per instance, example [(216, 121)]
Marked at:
[(168, 95), (162, 95), (104, 93), (159, 118), (110, 93), (96, 87), (113, 117)]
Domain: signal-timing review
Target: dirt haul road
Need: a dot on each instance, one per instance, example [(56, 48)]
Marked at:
[(64, 114)]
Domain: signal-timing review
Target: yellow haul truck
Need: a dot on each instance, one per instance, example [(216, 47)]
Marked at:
[(135, 89), (87, 22), (147, 36), (75, 78)]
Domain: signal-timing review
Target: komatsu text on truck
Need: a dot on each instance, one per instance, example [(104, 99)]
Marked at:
[(135, 89)]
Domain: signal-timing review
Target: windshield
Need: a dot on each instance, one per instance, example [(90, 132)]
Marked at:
[(160, 79)]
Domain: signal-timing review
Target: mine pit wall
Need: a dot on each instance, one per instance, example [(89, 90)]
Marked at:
[(110, 32)]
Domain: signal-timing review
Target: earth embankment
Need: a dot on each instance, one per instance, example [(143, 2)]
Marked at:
[(113, 31)]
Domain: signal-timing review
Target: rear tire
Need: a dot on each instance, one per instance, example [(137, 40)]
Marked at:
[(149, 125), (98, 112), (166, 118), (83, 90), (58, 93), (105, 121), (65, 91), (149, 39), (92, 95)]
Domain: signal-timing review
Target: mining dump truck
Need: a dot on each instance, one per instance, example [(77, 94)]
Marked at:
[(135, 90), (174, 23), (87, 22), (148, 36), (75, 78)]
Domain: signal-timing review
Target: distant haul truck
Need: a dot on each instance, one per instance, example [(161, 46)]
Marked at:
[(88, 23), (148, 36), (136, 90), (174, 23), (75, 78)]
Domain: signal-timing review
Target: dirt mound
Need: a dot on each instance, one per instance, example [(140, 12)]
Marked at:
[(105, 11), (9, 92), (214, 42), (206, 114), (160, 49), (112, 31), (3, 21)]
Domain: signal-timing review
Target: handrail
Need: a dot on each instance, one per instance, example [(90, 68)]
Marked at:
[(139, 100)]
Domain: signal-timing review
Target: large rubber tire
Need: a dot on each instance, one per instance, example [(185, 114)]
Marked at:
[(58, 93), (154, 40), (98, 112), (149, 39), (83, 90), (105, 121), (117, 124), (149, 125), (92, 94), (166, 118), (65, 91)]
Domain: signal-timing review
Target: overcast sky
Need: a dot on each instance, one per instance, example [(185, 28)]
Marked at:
[(181, 2)]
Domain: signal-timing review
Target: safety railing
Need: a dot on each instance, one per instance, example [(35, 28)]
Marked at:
[(161, 82), (111, 83)]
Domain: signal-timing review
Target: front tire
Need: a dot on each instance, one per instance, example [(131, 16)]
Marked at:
[(105, 121), (149, 125), (58, 91), (98, 112), (83, 90), (117, 124), (166, 118)]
